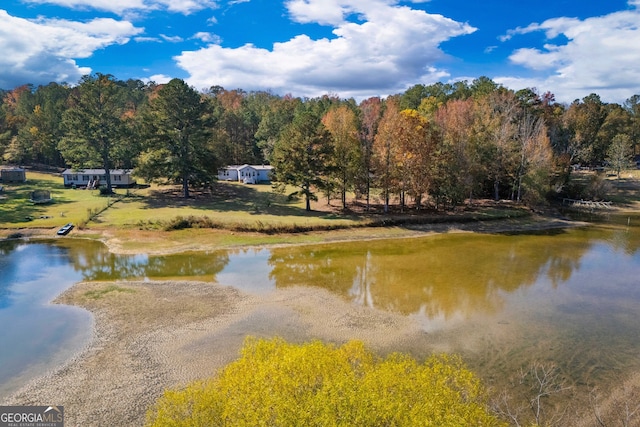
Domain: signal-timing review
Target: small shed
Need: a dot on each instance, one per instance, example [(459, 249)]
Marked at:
[(13, 175)]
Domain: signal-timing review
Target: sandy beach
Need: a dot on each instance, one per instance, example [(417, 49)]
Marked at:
[(150, 336)]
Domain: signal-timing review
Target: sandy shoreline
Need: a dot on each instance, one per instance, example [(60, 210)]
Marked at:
[(162, 243), (150, 336)]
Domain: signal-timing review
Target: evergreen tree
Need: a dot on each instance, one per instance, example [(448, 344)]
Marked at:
[(176, 130), (302, 155), (95, 134)]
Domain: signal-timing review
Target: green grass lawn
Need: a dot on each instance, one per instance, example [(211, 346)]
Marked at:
[(67, 205), (227, 204)]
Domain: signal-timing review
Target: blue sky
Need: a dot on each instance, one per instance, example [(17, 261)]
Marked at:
[(350, 48)]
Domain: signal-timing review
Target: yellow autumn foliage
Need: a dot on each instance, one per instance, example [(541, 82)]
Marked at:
[(275, 383)]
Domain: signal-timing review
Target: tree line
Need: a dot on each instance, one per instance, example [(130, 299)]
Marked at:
[(436, 145)]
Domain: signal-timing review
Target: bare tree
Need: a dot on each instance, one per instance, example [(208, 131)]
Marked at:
[(538, 383), (624, 410)]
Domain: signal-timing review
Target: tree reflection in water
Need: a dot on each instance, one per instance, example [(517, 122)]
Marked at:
[(96, 263), (441, 276)]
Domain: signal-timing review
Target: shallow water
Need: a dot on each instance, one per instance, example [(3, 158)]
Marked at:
[(567, 297), (35, 335)]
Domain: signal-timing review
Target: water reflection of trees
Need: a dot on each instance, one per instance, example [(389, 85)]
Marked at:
[(441, 276), (8, 246), (7, 271), (620, 230), (96, 263)]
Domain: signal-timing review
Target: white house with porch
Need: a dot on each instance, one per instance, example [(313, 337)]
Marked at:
[(248, 174), (93, 178)]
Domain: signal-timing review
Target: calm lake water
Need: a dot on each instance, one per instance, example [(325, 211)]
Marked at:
[(570, 297)]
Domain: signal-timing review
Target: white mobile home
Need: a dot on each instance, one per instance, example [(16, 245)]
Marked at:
[(249, 174), (93, 178)]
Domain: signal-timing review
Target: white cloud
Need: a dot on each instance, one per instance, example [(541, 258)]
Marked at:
[(158, 78), (185, 6), (145, 39), (121, 7), (207, 37), (115, 6), (44, 50), (601, 55), (171, 39), (326, 12), (389, 48)]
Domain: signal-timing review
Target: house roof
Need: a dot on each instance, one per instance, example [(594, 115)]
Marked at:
[(96, 172), (241, 167)]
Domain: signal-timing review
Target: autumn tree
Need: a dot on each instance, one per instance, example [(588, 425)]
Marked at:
[(237, 123), (535, 159), (13, 118), (416, 140), (584, 120), (341, 122), (460, 165), (559, 136), (617, 121), (386, 151), (302, 156), (498, 114), (370, 114), (95, 134), (176, 128), (620, 153), (38, 138), (517, 150)]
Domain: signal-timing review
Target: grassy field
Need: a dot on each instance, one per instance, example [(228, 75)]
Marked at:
[(231, 205), (626, 190), (228, 204), (67, 205)]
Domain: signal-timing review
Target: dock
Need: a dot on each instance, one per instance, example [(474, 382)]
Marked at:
[(588, 204)]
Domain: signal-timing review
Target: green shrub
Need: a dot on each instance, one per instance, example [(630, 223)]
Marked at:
[(104, 191), (279, 384)]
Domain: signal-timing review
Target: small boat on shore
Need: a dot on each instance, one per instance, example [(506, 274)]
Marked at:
[(65, 230)]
